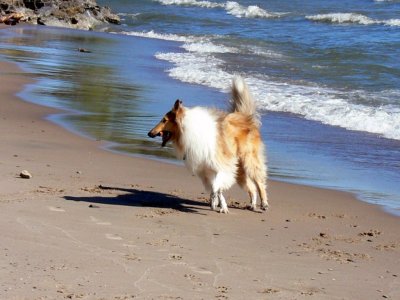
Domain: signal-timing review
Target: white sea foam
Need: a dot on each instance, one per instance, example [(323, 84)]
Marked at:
[(206, 4), (207, 47), (260, 51), (231, 7), (160, 36), (314, 103), (351, 18), (190, 43), (201, 44), (252, 11), (392, 22), (342, 18), (195, 68), (132, 15)]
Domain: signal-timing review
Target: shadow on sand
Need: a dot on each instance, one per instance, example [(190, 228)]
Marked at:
[(140, 198)]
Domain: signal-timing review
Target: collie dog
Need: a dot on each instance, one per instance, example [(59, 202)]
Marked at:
[(220, 147)]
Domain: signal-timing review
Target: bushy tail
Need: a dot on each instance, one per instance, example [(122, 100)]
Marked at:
[(242, 100)]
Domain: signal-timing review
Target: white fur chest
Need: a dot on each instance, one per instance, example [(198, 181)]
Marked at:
[(199, 139)]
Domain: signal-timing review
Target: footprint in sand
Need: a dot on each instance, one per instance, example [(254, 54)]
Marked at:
[(98, 222), (112, 236), (58, 209), (175, 257)]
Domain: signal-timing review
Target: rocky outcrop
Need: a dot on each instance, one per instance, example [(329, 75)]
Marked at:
[(80, 14)]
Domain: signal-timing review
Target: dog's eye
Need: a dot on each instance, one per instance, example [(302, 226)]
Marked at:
[(164, 120)]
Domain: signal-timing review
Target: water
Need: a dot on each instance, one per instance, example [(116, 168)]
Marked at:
[(326, 75)]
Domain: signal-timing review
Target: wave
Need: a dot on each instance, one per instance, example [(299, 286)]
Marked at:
[(206, 4), (159, 36), (132, 15), (231, 7), (252, 11), (207, 47), (351, 18), (312, 102), (203, 44), (198, 44), (260, 51), (393, 22), (198, 65)]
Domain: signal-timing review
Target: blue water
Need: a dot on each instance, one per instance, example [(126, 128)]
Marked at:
[(326, 75)]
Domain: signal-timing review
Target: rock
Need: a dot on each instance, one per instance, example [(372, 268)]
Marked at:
[(25, 174), (79, 14), (84, 50), (11, 19)]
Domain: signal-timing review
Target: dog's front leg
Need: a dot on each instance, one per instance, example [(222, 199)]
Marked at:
[(214, 200), (222, 202)]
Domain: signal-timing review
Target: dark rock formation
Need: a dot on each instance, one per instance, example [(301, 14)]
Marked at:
[(80, 14)]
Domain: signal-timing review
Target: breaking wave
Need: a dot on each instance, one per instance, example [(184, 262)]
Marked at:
[(159, 36), (351, 18), (231, 7), (252, 11), (206, 4)]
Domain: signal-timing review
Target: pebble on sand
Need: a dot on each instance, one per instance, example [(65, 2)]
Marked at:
[(25, 174)]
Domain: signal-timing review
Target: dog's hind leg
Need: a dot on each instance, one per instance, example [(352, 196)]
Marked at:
[(260, 179), (252, 177), (262, 191), (256, 184), (252, 190)]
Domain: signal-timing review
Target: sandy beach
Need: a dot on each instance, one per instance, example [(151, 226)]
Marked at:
[(91, 224)]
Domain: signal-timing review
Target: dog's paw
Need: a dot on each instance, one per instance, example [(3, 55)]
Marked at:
[(251, 207), (224, 210), (254, 209), (264, 208)]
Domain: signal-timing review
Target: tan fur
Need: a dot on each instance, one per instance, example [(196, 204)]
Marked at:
[(240, 137)]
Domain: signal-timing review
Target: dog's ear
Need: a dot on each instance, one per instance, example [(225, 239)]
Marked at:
[(178, 104)]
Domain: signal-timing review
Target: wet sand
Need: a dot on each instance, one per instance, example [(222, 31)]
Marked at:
[(91, 224)]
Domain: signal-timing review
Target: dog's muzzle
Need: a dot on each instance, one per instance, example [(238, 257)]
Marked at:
[(152, 135), (166, 136)]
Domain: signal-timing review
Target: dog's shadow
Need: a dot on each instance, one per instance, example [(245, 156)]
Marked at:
[(141, 198)]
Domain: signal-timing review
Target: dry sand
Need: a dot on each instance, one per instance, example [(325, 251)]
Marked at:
[(91, 224)]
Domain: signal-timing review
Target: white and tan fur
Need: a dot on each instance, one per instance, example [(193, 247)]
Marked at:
[(220, 147)]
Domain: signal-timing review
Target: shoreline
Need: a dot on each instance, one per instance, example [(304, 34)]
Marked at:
[(148, 213), (290, 160), (54, 114)]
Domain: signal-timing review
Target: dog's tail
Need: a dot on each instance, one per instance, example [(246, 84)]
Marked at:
[(242, 100)]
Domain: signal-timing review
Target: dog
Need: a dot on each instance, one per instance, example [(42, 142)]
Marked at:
[(220, 147)]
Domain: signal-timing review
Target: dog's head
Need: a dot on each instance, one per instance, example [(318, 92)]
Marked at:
[(168, 127)]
